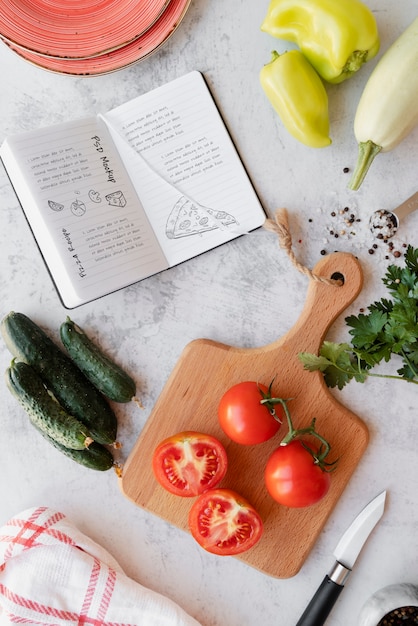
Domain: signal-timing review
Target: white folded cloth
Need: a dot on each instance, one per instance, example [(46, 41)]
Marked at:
[(52, 574)]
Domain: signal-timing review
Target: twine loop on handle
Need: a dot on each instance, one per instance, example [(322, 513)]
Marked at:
[(280, 226)]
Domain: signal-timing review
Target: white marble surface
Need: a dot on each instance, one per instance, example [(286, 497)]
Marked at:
[(245, 293)]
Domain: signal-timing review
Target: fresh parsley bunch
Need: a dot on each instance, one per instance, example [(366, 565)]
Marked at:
[(390, 328)]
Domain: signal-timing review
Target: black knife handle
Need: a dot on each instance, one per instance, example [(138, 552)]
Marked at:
[(321, 604)]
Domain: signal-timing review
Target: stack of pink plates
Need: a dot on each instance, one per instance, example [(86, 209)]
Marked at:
[(88, 37)]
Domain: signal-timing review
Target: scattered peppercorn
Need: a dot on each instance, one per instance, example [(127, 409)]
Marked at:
[(346, 170), (345, 227)]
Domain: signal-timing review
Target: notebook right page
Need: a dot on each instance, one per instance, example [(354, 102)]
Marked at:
[(185, 168)]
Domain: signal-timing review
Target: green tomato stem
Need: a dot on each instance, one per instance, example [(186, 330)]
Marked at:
[(319, 457), (366, 154)]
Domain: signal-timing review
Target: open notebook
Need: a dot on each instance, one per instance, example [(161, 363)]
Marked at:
[(119, 197)]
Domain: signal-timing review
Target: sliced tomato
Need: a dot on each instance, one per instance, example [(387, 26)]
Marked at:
[(189, 463), (224, 523)]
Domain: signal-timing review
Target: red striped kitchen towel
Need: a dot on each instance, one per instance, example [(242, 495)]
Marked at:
[(52, 574)]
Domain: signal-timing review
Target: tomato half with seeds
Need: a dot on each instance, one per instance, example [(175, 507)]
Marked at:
[(224, 523), (189, 463), (293, 478), (245, 418)]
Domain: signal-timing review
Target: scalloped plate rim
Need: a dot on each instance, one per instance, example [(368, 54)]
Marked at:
[(175, 21), (164, 4)]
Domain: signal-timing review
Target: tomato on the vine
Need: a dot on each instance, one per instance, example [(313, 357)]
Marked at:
[(188, 463), (224, 523), (293, 477), (246, 415)]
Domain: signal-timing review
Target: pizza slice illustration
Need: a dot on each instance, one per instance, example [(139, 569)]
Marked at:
[(189, 218)]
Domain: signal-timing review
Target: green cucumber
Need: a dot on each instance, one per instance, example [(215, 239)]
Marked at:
[(101, 371), (29, 343), (43, 409), (95, 457)]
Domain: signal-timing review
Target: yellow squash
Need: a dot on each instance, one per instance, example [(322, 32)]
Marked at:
[(388, 108)]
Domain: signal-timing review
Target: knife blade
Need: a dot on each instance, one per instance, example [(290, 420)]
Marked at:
[(346, 553)]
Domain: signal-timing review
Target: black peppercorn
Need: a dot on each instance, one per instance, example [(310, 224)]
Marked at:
[(404, 616)]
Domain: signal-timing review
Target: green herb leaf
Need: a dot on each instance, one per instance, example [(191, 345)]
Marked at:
[(336, 361), (366, 330), (389, 330)]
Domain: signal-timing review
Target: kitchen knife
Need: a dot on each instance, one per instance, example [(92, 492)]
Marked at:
[(346, 554)]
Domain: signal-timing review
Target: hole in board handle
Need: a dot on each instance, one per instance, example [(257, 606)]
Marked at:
[(338, 276)]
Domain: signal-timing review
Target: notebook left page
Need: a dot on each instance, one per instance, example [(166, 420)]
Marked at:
[(82, 208)]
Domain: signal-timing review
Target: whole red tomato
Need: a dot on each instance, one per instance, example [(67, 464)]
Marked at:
[(188, 463), (224, 523), (243, 416), (293, 478)]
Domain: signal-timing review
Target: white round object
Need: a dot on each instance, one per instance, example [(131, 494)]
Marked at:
[(386, 600)]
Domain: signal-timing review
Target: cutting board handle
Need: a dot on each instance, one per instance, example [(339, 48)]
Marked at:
[(324, 302)]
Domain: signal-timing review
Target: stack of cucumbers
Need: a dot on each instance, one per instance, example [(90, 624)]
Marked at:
[(65, 396)]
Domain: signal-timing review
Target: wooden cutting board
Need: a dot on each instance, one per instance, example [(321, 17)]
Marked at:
[(189, 401)]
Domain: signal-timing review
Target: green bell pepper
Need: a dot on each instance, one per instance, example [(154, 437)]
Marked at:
[(336, 36), (298, 96)]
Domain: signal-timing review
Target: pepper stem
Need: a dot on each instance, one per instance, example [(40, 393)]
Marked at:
[(354, 62), (274, 55), (367, 152)]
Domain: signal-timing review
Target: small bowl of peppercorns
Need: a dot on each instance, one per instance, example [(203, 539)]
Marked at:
[(394, 605)]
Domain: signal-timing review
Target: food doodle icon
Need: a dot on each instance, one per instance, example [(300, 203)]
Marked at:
[(78, 208), (94, 196), (116, 198), (55, 206)]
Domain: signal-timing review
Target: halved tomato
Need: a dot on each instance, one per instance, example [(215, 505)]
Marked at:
[(189, 463), (224, 523)]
